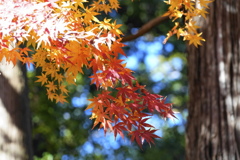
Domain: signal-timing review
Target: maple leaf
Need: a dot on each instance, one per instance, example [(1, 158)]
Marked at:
[(51, 95), (96, 64), (191, 10), (71, 79), (126, 92), (117, 48), (114, 4), (59, 77), (51, 86), (61, 98), (27, 60), (202, 12), (204, 3), (107, 8), (63, 89), (119, 101), (143, 123), (43, 79), (100, 117), (115, 31), (141, 135), (97, 79), (168, 114), (118, 129), (192, 27), (189, 6), (195, 39), (25, 51)]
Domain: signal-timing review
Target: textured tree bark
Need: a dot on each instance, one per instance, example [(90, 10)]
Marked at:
[(15, 132), (213, 130)]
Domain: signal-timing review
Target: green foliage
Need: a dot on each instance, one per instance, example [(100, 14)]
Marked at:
[(57, 128)]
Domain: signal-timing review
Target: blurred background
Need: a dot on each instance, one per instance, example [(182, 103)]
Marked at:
[(64, 131)]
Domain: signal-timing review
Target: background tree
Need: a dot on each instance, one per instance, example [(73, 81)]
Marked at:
[(15, 128), (213, 130)]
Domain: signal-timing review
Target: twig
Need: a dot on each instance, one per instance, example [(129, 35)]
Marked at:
[(145, 28)]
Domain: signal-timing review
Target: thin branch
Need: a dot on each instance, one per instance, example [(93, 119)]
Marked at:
[(145, 28)]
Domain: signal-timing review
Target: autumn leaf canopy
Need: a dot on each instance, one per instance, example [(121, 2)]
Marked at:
[(63, 36)]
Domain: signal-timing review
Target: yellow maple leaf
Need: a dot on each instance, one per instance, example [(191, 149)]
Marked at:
[(204, 3), (114, 4), (61, 98), (59, 78), (51, 86), (63, 89), (51, 95), (43, 79), (202, 12), (195, 39)]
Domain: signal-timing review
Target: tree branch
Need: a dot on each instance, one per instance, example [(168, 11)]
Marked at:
[(145, 28)]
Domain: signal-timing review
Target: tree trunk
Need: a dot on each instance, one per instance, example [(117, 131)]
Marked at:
[(15, 132), (213, 130)]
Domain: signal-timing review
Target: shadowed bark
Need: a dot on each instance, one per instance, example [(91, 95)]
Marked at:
[(15, 132)]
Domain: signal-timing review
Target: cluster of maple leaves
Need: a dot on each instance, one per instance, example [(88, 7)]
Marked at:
[(66, 36), (187, 10)]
